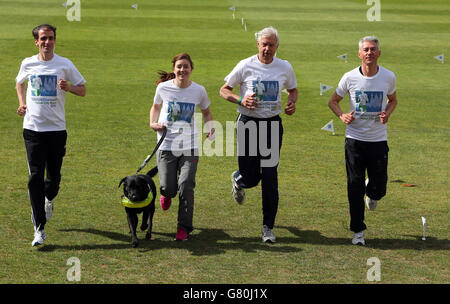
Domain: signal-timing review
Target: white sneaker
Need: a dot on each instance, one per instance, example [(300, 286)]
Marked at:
[(39, 237), (358, 239), (370, 203), (238, 192), (267, 235), (48, 209)]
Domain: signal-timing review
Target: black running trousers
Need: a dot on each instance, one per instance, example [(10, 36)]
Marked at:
[(359, 157), (45, 153), (259, 144)]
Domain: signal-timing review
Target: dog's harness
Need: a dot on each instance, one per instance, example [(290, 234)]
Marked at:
[(144, 203), (127, 203)]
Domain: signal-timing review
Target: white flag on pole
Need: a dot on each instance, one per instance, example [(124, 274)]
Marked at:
[(135, 6), (324, 88), (329, 127), (424, 224), (440, 58), (343, 57)]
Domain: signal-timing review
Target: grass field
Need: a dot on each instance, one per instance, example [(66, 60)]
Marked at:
[(119, 50)]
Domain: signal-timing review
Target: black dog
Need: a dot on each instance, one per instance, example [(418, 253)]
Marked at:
[(136, 188)]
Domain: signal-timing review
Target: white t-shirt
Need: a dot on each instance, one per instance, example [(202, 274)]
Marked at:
[(368, 96), (177, 114), (45, 101), (266, 80)]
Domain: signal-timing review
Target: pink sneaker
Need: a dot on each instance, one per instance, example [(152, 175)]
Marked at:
[(181, 235), (165, 202)]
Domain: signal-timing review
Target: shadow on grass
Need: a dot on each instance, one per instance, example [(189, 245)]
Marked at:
[(315, 238), (216, 241), (205, 242)]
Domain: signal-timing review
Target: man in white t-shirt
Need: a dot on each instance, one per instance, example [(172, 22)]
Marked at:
[(372, 95), (261, 79), (44, 126)]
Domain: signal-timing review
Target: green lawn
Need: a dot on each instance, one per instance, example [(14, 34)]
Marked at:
[(119, 50)]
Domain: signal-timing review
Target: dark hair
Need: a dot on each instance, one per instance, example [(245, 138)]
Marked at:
[(43, 26), (164, 76)]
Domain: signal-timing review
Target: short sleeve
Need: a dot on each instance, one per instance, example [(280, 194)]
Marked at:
[(73, 75), (204, 102), (158, 99), (23, 74), (392, 86), (291, 82), (235, 77), (342, 88)]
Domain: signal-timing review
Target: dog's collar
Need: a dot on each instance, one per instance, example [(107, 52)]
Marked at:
[(144, 203)]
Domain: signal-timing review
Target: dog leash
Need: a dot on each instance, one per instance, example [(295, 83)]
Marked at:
[(154, 150)]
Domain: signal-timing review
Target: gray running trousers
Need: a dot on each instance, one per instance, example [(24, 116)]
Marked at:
[(177, 174)]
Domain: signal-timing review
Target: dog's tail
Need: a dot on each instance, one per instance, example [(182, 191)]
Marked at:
[(153, 172)]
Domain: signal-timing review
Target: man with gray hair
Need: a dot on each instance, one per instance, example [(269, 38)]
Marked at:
[(261, 78), (372, 95)]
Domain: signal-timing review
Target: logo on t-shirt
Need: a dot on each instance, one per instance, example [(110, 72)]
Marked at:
[(180, 111), (43, 85), (368, 101), (266, 90)]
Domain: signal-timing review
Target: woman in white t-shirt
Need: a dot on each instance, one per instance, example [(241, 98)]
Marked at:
[(174, 105)]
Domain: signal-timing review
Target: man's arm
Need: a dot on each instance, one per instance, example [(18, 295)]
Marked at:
[(77, 90), (390, 107), (333, 104), (292, 99), (248, 101), (20, 88)]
